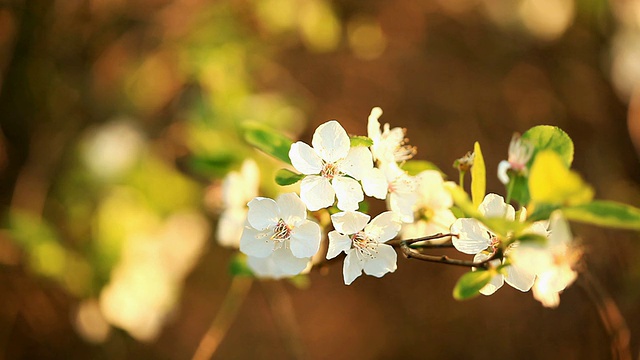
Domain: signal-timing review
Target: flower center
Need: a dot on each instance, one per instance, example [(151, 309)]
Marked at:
[(365, 246), (329, 170), (281, 232)]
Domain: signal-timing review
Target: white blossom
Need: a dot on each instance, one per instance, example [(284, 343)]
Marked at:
[(279, 231), (388, 144), (238, 188), (520, 152), (364, 243), (432, 207), (333, 169), (402, 187), (552, 262)]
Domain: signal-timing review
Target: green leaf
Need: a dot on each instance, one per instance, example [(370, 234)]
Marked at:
[(551, 182), (239, 267), (546, 137), (478, 176), (360, 141), (268, 140), (415, 167), (469, 285), (520, 191), (531, 237), (208, 166), (287, 177), (605, 213)]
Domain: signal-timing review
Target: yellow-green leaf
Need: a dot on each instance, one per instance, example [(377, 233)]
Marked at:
[(551, 182), (414, 167), (462, 201), (469, 285), (357, 140), (268, 140), (287, 177), (605, 213), (478, 176)]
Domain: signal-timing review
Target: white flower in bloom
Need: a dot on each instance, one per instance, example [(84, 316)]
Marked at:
[(364, 243), (281, 263), (333, 169), (513, 274), (238, 188), (388, 144), (402, 188), (473, 236), (520, 152), (553, 262), (280, 230), (432, 208)]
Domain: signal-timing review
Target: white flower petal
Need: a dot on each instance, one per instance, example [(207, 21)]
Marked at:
[(331, 141), (373, 125), (352, 267), (357, 162), (503, 166), (316, 192), (431, 191), (256, 243), (519, 278), (493, 206), (374, 183), (548, 297), (496, 283), (383, 227), (263, 213), (402, 204), (560, 233), (305, 159), (288, 264), (305, 239), (384, 262), (349, 222), (532, 258), (264, 267), (348, 191), (292, 209), (337, 243), (472, 236)]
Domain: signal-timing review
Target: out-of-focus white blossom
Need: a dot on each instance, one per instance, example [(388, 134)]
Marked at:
[(238, 188), (520, 152)]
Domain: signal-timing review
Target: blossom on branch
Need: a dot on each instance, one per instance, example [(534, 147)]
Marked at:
[(389, 145), (364, 243), (279, 232), (432, 210), (553, 262), (333, 169), (520, 152)]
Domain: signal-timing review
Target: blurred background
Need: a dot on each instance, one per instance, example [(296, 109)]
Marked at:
[(119, 120)]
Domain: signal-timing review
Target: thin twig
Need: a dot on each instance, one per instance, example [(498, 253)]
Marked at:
[(283, 315), (227, 313), (410, 253), (610, 316)]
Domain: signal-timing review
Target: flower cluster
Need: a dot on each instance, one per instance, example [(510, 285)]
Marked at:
[(337, 172)]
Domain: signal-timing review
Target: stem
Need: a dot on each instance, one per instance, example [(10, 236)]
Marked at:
[(396, 243), (443, 259), (227, 313), (461, 178), (281, 307), (512, 183)]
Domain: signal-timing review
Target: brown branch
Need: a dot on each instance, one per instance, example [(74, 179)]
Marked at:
[(227, 313), (410, 253)]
